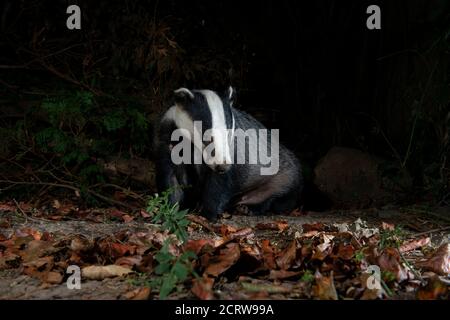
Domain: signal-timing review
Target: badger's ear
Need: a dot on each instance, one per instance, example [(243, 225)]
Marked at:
[(231, 94), (183, 94)]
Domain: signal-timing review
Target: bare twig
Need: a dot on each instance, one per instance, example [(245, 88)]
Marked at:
[(432, 231), (21, 211)]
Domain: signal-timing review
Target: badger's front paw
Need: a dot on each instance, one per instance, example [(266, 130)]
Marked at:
[(211, 216)]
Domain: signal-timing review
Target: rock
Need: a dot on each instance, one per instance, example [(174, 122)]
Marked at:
[(351, 178)]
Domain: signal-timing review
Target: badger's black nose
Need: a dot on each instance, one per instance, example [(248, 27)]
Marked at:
[(221, 169)]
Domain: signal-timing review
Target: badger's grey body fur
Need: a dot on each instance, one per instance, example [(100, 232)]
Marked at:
[(220, 187)]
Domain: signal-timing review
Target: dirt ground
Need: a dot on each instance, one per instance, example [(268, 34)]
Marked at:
[(15, 285)]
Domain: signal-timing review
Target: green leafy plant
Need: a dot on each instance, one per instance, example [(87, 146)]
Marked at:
[(307, 276), (171, 270), (169, 215), (391, 238), (359, 256)]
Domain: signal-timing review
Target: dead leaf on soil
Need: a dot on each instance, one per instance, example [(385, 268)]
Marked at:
[(196, 246), (414, 244), (227, 257), (145, 214), (439, 262), (389, 260), (202, 288), (287, 257), (129, 262), (387, 226), (54, 277), (138, 294), (36, 249), (324, 288), (280, 225), (345, 251), (81, 244), (268, 254), (102, 272), (282, 274), (435, 289), (319, 226), (7, 207)]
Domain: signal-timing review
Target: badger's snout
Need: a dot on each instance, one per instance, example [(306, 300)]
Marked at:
[(221, 168)]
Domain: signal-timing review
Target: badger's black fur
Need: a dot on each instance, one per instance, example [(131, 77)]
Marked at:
[(217, 188)]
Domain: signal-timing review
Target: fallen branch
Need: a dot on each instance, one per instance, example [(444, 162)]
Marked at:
[(433, 231)]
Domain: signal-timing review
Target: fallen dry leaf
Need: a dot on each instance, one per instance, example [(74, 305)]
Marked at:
[(287, 257), (389, 261), (127, 218), (36, 249), (435, 289), (282, 274), (227, 257), (345, 251), (36, 234), (274, 225), (319, 226), (439, 262), (241, 233), (54, 277), (138, 294), (326, 242), (7, 207), (116, 213), (201, 221), (145, 214), (39, 268), (324, 288), (414, 244), (320, 253), (202, 288), (310, 234), (196, 246), (129, 262), (116, 250), (268, 254), (252, 251), (387, 226), (81, 244), (102, 272)]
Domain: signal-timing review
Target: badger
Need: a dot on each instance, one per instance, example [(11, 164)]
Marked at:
[(228, 167)]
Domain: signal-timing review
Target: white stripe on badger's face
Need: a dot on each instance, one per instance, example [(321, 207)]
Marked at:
[(184, 121), (219, 127)]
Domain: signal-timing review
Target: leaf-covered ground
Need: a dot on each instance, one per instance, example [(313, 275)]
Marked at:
[(306, 255)]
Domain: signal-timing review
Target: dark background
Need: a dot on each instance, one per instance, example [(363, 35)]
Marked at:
[(310, 68)]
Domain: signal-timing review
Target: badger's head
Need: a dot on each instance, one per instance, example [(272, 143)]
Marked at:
[(213, 111)]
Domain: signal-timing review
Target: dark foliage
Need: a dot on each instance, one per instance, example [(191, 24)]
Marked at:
[(69, 98)]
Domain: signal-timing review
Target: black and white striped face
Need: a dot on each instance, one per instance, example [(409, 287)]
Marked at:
[(214, 113)]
